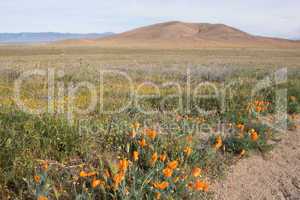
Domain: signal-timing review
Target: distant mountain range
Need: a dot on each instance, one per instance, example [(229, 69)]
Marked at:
[(45, 37)]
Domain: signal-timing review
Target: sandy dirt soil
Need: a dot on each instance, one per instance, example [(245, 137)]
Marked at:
[(275, 176)]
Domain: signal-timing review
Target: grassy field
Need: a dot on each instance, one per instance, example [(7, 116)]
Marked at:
[(166, 124)]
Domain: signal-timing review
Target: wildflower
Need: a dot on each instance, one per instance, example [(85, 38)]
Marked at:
[(132, 134), (200, 185), (42, 198), (151, 133), (126, 191), (135, 155), (91, 174), (218, 143), (153, 158), (142, 143), (241, 127), (254, 136), (85, 174), (176, 179), (190, 186), (173, 164), (123, 165), (242, 152), (37, 179), (189, 138), (258, 108), (45, 165), (157, 196), (135, 125), (196, 172), (167, 172), (96, 183), (183, 177), (162, 157), (161, 186), (187, 151), (118, 178)]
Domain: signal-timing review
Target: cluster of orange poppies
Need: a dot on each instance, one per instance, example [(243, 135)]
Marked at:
[(253, 133), (170, 166), (169, 170), (117, 178), (259, 106), (38, 179), (197, 185), (254, 136)]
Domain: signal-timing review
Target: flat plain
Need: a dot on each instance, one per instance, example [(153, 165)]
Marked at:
[(30, 141)]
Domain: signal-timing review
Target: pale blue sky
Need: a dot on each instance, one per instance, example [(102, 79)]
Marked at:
[(280, 18)]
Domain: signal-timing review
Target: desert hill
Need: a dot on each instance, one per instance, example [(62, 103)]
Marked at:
[(189, 35)]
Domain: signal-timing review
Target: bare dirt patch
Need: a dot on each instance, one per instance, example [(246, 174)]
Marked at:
[(276, 176)]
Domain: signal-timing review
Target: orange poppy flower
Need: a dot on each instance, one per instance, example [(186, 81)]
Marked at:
[(161, 186), (218, 143), (254, 136), (189, 138), (37, 179), (42, 198), (83, 174), (118, 178), (162, 157), (200, 186), (190, 185), (258, 108), (153, 158), (123, 165), (173, 164), (241, 127), (91, 174), (167, 172), (135, 125), (157, 196), (45, 165), (87, 174), (187, 151), (151, 133), (196, 172), (135, 155), (96, 183), (132, 134), (142, 143)]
